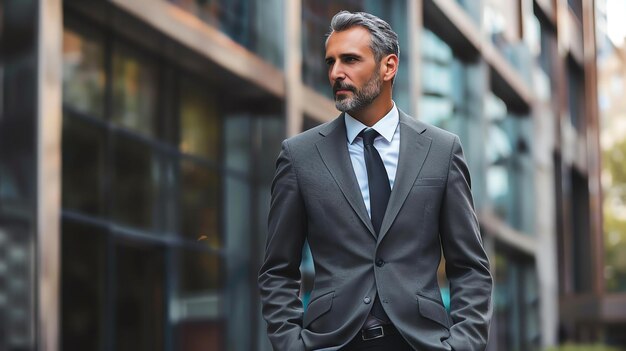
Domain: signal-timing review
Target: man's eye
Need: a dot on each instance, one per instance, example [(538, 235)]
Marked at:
[(350, 59)]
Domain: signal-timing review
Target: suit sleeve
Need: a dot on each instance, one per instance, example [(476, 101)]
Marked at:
[(467, 265), (279, 277)]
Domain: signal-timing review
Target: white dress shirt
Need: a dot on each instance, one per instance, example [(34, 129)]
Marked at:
[(387, 145)]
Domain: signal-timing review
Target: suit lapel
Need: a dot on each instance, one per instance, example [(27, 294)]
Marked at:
[(334, 152), (414, 148)]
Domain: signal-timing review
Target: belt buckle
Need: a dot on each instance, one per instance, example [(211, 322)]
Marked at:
[(366, 338)]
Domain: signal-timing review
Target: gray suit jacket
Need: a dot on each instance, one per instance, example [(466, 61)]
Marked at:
[(315, 196)]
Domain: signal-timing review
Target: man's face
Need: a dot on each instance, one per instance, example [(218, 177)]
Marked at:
[(353, 71)]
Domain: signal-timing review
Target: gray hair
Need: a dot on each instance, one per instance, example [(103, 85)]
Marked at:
[(384, 39)]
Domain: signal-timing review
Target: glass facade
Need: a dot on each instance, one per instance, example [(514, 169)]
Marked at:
[(18, 174), (444, 101), (541, 41), (576, 94), (452, 99), (134, 90), (258, 25), (498, 149), (156, 201), (508, 154), (516, 324), (581, 258), (502, 22)]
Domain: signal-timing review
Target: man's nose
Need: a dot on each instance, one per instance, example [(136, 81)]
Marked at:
[(337, 72)]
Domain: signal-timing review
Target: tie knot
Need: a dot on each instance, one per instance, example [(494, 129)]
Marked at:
[(369, 134)]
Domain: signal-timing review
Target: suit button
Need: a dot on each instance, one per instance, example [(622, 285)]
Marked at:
[(380, 262), (367, 300)]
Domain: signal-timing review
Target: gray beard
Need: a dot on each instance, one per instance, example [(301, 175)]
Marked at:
[(361, 98)]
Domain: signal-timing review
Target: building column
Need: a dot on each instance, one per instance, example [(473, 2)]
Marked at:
[(293, 67), (48, 159), (545, 223), (415, 26)]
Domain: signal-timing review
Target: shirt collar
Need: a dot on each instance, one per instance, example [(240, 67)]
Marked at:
[(386, 126)]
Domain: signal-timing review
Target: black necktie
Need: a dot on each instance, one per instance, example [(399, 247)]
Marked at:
[(377, 179), (379, 187)]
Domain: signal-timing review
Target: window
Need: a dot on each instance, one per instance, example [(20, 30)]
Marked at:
[(84, 168), (139, 296), (83, 286), (200, 126), (452, 99), (134, 89), (200, 196), (581, 234), (472, 8), (163, 215), (237, 137), (509, 165), (135, 182), (516, 303), (84, 75), (576, 95), (256, 25), (437, 105)]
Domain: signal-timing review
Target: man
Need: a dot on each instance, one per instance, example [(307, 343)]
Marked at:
[(378, 195)]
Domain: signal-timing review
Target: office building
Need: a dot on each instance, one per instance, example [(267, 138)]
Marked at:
[(138, 140)]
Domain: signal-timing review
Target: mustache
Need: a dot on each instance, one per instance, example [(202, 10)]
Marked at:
[(339, 85)]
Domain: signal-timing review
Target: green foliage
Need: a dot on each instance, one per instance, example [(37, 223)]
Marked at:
[(614, 175), (581, 347)]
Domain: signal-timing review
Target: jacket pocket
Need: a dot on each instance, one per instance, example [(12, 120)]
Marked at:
[(433, 310), (429, 181), (318, 307)]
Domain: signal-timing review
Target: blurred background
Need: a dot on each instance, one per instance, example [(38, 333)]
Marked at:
[(138, 140)]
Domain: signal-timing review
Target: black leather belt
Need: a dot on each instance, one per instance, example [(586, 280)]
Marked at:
[(378, 331)]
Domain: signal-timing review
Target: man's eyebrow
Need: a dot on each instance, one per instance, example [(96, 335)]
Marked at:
[(344, 55)]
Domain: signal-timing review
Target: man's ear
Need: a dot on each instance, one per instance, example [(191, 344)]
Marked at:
[(389, 67)]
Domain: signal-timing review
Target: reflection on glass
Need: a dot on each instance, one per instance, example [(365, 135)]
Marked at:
[(472, 8), (199, 274), (237, 218), (135, 86), (237, 130), (502, 22), (446, 97), (83, 73), (516, 305), (83, 264), (272, 134), (200, 125), (18, 289), (199, 203), (541, 44), (238, 288), (509, 165), (135, 183), (498, 152), (139, 297), (255, 24), (576, 95), (83, 166), (197, 305)]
